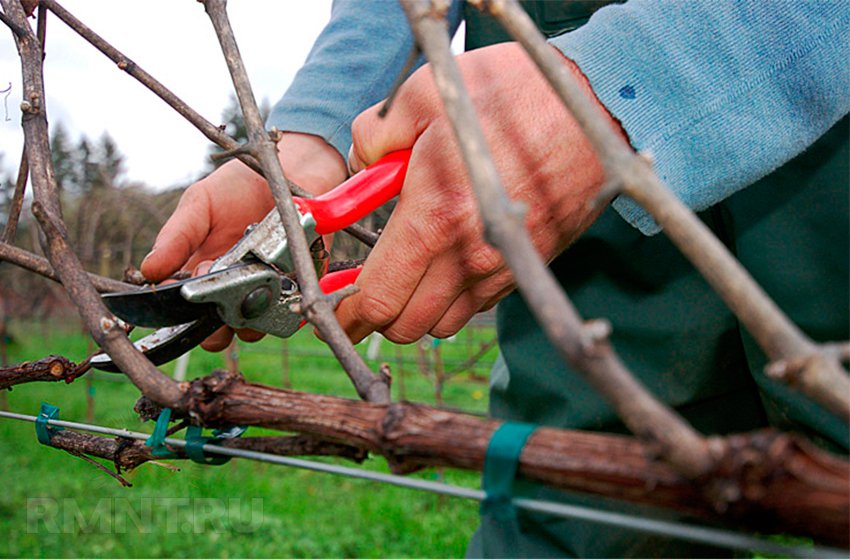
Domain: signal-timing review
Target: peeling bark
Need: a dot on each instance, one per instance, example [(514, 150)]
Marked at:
[(765, 480)]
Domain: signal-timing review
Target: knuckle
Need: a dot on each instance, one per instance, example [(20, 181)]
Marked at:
[(446, 330), (400, 334), (194, 194), (363, 131), (441, 224), (375, 311), (483, 260)]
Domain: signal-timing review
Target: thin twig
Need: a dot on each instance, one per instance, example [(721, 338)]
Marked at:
[(664, 431), (17, 200), (806, 374), (129, 454), (41, 266), (365, 236), (53, 368), (472, 360), (318, 311), (23, 168), (102, 468), (208, 129), (345, 264), (414, 55), (779, 337), (6, 92), (840, 350), (41, 28)]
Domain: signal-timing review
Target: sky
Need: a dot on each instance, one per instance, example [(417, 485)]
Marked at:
[(174, 41)]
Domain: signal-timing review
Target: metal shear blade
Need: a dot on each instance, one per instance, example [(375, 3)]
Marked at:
[(166, 343), (157, 306)]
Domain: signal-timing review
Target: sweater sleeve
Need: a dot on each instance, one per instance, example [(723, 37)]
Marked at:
[(352, 66), (719, 92)]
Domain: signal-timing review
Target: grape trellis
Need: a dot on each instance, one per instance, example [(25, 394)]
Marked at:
[(767, 480)]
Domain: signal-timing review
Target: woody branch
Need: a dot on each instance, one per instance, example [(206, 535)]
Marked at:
[(41, 266), (765, 480), (128, 454)]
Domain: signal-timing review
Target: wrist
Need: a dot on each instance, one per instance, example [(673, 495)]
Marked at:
[(585, 84), (310, 162)]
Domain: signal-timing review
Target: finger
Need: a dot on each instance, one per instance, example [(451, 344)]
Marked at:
[(374, 136), (388, 279), (182, 234), (248, 335), (482, 297), (422, 226), (202, 267), (458, 314), (219, 340), (490, 303), (378, 302), (441, 285)]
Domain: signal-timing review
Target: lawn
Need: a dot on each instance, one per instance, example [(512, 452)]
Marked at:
[(57, 505)]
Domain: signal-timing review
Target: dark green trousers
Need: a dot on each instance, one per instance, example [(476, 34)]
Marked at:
[(790, 230)]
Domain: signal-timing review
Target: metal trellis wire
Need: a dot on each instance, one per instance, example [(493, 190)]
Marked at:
[(698, 534)]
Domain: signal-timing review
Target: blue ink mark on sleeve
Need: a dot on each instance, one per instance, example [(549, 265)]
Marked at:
[(627, 92)]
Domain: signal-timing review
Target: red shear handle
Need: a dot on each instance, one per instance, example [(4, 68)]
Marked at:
[(336, 280), (360, 195), (339, 279)]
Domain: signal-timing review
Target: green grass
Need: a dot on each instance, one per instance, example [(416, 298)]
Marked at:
[(57, 505)]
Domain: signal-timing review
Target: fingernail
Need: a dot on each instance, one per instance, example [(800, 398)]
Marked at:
[(148, 255), (202, 268), (349, 162)]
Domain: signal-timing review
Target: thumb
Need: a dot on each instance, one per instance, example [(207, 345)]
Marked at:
[(179, 238), (374, 136)]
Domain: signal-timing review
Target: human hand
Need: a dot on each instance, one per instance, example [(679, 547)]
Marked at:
[(431, 270), (213, 213)]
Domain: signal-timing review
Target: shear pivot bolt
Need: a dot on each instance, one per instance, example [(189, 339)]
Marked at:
[(257, 302)]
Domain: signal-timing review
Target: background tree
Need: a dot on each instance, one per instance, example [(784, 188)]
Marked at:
[(64, 159)]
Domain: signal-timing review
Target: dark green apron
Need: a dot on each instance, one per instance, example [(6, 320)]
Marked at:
[(790, 230)]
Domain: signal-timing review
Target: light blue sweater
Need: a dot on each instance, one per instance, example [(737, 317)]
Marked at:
[(720, 92)]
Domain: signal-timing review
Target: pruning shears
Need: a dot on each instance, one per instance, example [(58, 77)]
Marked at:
[(253, 284)]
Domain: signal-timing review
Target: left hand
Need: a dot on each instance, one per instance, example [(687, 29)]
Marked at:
[(213, 213), (431, 270)]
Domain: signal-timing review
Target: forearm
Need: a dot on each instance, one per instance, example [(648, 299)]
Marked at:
[(721, 92)]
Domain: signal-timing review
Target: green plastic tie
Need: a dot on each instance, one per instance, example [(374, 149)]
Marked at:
[(157, 440), (195, 442), (500, 467), (43, 431)]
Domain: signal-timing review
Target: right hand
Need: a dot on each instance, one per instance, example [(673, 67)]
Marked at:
[(213, 213)]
